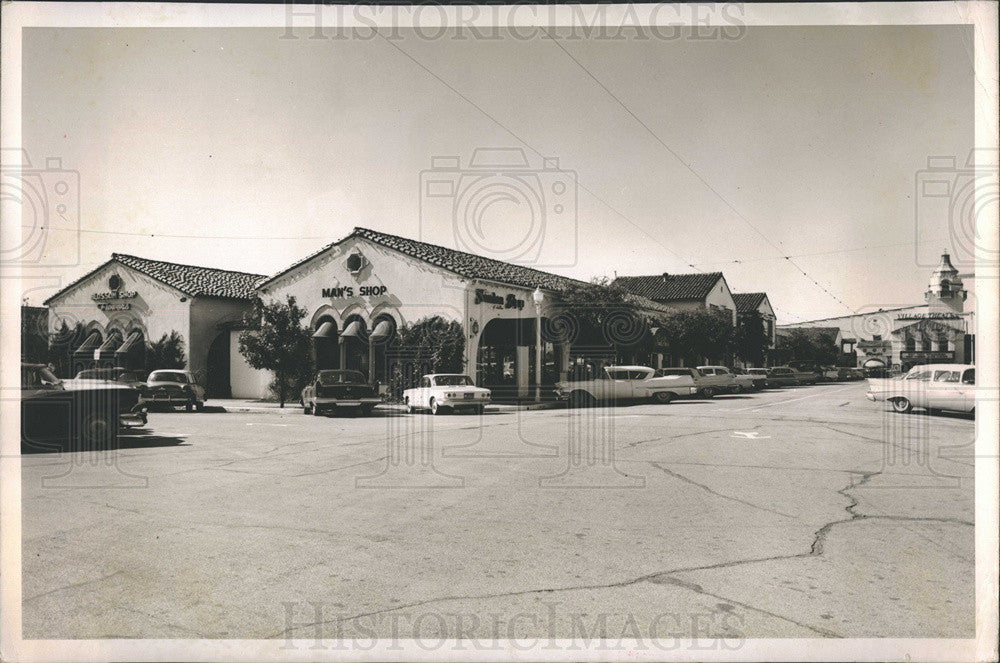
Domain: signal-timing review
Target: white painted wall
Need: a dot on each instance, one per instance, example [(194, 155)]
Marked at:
[(246, 382)]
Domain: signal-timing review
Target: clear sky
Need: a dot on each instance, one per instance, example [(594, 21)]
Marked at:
[(266, 149)]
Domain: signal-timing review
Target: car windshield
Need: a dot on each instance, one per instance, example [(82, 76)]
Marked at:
[(340, 377), (452, 381), (168, 376)]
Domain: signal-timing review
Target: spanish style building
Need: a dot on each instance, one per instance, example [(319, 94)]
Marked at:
[(683, 291), (938, 331)]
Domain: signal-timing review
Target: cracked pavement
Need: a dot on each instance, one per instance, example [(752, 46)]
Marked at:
[(780, 514)]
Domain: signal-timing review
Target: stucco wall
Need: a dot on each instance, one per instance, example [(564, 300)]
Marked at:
[(206, 316), (246, 382), (156, 309)]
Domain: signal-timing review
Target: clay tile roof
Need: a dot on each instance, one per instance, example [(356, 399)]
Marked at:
[(464, 264), (748, 301), (189, 279), (670, 287)]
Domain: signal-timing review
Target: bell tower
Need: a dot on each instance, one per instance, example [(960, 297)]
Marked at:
[(945, 292)]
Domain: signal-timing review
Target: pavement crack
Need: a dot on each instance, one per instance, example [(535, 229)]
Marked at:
[(712, 491), (75, 585)]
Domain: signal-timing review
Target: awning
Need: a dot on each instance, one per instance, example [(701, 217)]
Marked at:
[(383, 330), (874, 363), (353, 330), (130, 342), (109, 346), (90, 344), (325, 330)]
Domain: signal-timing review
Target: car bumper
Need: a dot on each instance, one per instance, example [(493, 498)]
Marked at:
[(872, 396), (134, 418), (346, 402), (464, 402), (167, 398)]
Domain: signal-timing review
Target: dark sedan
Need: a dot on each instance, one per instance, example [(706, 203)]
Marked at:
[(54, 418)]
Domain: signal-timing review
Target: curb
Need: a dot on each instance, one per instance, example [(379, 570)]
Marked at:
[(295, 408)]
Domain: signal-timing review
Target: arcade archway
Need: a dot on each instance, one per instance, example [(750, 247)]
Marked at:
[(326, 350)]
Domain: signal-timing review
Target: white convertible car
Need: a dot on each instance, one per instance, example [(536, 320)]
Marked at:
[(931, 387), (446, 392)]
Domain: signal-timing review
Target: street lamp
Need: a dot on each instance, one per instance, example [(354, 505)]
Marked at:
[(538, 297)]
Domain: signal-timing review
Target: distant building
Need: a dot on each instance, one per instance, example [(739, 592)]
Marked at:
[(937, 331), (683, 292), (748, 302)]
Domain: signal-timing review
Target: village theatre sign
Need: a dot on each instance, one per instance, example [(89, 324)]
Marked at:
[(115, 298)]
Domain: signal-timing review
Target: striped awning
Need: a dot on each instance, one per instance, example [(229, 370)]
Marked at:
[(90, 344), (382, 331), (352, 330), (132, 341), (325, 330), (109, 346)]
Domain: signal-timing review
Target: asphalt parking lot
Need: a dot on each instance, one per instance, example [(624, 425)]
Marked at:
[(805, 512)]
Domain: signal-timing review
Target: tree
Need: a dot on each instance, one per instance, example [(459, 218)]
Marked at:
[(274, 340), (600, 314), (168, 352), (34, 334), (752, 342), (696, 334), (806, 345), (430, 345)]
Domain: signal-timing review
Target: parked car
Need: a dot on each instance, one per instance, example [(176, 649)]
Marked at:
[(744, 381), (718, 377), (931, 386), (621, 384), (782, 376), (173, 387), (704, 385), (333, 389), (53, 417), (125, 376), (446, 392), (95, 377), (759, 376), (855, 374), (831, 374)]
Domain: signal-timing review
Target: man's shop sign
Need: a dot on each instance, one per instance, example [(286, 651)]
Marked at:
[(345, 292)]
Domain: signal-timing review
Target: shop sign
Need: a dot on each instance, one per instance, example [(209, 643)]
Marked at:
[(498, 301), (111, 300), (926, 356), (344, 292)]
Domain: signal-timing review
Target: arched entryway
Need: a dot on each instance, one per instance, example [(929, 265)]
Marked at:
[(381, 338), (353, 342), (506, 358), (326, 350), (83, 356), (217, 384), (131, 354)]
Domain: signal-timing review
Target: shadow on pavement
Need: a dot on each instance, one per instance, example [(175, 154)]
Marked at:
[(127, 439)]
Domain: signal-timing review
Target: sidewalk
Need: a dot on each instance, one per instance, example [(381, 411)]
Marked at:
[(293, 407)]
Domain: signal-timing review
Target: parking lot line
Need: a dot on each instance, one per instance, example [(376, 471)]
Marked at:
[(793, 400)]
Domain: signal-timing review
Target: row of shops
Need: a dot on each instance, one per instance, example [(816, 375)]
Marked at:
[(359, 292)]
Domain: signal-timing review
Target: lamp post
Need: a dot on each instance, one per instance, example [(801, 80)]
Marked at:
[(538, 296)]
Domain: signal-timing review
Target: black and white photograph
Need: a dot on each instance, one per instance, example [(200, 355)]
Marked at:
[(499, 332)]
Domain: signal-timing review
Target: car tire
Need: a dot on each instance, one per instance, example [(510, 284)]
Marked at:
[(98, 430), (366, 410), (199, 406), (708, 392), (435, 409), (479, 409), (581, 398), (306, 409), (663, 397), (316, 411), (737, 389), (902, 405), (189, 406)]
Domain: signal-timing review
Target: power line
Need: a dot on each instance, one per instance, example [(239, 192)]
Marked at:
[(691, 169)]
